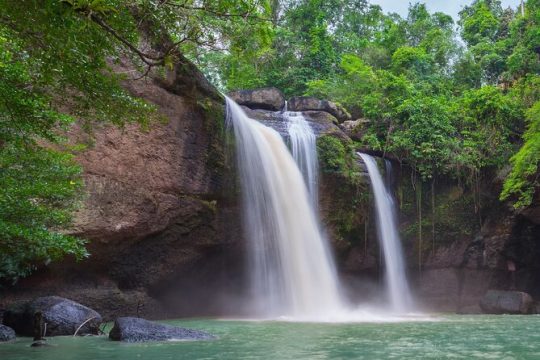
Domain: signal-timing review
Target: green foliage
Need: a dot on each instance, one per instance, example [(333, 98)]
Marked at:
[(424, 134), (525, 34), (337, 156), (443, 107), (49, 60), (523, 180), (488, 121), (38, 189), (480, 21), (332, 154), (411, 60), (59, 60)]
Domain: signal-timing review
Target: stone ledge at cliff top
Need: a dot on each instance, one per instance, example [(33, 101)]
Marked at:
[(265, 98), (306, 103)]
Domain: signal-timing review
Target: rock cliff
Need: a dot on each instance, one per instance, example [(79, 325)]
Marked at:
[(162, 220), (159, 202)]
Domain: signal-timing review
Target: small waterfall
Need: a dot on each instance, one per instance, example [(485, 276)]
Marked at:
[(304, 150), (292, 273), (395, 275)]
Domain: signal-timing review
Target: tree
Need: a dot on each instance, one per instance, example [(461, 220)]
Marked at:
[(56, 65), (524, 64), (523, 180), (484, 26)]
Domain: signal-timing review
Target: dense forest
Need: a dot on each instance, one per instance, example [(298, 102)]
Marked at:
[(456, 97)]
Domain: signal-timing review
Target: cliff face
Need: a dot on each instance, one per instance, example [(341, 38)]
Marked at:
[(459, 239), (162, 219), (158, 202), (468, 242)]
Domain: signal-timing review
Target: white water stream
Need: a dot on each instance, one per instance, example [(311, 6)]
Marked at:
[(395, 276), (292, 273), (304, 150)]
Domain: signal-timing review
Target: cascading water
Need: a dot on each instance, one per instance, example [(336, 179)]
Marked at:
[(304, 150), (292, 273), (396, 280)]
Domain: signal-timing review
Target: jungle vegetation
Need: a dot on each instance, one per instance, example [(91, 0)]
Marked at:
[(452, 97)]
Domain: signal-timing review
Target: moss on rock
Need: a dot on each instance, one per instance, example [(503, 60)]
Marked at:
[(344, 196)]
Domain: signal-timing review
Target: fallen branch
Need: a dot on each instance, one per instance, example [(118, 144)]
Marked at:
[(80, 326)]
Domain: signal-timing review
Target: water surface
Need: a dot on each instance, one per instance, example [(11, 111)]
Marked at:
[(452, 337)]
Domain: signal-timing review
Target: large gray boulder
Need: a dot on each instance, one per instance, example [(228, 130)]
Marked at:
[(60, 317), (307, 103), (130, 329), (506, 302), (321, 122), (6, 333), (265, 98), (324, 123), (321, 117)]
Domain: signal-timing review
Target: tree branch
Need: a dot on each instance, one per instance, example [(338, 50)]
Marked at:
[(245, 15), (148, 59)]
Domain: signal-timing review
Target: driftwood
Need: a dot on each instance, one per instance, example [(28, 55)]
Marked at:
[(84, 322)]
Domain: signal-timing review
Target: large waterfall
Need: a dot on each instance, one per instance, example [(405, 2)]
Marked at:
[(395, 275), (304, 150), (292, 272)]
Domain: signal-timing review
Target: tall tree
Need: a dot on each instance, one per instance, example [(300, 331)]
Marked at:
[(56, 60)]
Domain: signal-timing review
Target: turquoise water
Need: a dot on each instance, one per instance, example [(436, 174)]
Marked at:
[(451, 337)]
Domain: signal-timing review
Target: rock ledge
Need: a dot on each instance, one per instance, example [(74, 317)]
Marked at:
[(265, 98), (506, 302)]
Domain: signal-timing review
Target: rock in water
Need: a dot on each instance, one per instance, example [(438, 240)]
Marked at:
[(130, 329), (60, 316), (6, 333), (40, 343), (506, 302), (266, 98)]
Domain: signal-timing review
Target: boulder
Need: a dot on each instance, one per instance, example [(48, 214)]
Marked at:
[(6, 333), (321, 117), (130, 329), (263, 115), (266, 98), (506, 302), (355, 128), (324, 123), (321, 122), (306, 103), (60, 317)]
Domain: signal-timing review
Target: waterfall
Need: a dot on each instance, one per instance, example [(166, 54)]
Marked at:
[(292, 272), (304, 150), (395, 275)]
